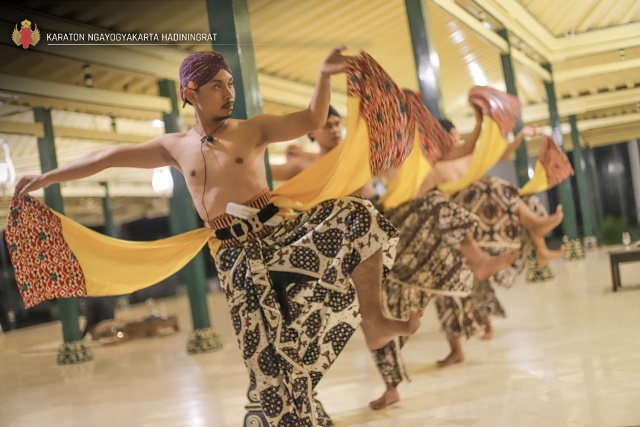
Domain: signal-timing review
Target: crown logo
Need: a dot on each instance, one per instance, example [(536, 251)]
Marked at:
[(25, 36)]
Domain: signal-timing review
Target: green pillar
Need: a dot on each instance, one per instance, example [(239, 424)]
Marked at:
[(564, 189), (183, 218), (619, 182), (595, 188), (229, 19), (574, 248), (579, 167), (522, 159), (72, 349), (423, 53), (110, 228)]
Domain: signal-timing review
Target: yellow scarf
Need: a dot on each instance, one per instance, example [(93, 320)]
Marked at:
[(489, 149), (406, 184)]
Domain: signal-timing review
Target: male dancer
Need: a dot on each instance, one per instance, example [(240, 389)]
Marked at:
[(434, 241), (291, 288)]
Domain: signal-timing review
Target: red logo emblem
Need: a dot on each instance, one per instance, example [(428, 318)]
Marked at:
[(26, 36)]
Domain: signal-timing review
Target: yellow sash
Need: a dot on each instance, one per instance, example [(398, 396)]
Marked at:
[(536, 184), (342, 171), (406, 184), (489, 149), (116, 267)]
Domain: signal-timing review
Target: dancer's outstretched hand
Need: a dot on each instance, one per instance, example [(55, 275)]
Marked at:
[(336, 62), (29, 183), (477, 112), (530, 131)]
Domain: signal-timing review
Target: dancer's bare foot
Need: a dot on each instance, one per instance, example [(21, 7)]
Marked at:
[(380, 330), (485, 266), (453, 358), (488, 336), (546, 224), (545, 255), (488, 328), (389, 397)]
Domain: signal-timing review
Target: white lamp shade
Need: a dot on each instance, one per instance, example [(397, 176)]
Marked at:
[(162, 181), (7, 171)]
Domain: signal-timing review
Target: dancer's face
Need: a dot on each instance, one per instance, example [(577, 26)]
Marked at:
[(330, 135), (216, 97)]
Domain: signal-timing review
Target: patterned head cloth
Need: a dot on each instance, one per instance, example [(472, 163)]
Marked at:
[(446, 124), (198, 69)]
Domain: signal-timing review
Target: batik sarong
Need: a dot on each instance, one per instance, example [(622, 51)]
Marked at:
[(495, 201), (292, 302), (428, 264), (484, 303)]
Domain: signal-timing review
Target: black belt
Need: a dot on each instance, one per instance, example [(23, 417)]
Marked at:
[(242, 227)]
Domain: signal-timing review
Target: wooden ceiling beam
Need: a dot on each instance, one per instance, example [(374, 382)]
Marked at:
[(635, 6), (36, 130), (517, 19), (83, 94), (458, 12), (594, 70), (33, 101)]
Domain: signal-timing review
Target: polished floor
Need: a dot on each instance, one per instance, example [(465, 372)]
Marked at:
[(567, 355)]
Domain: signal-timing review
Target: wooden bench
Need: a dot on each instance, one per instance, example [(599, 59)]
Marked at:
[(151, 325), (617, 257)]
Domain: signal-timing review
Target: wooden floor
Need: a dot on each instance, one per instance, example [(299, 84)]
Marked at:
[(567, 355)]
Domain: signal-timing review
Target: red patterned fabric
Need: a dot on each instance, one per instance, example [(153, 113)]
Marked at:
[(434, 140), (45, 267), (383, 107), (502, 107), (555, 162)]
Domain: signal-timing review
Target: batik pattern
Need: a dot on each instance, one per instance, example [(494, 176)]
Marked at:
[(45, 266), (555, 162), (484, 301), (428, 264), (384, 108), (495, 202), (292, 302)]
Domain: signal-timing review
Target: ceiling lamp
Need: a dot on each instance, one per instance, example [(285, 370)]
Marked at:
[(7, 171)]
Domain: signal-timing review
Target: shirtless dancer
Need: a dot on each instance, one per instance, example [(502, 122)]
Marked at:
[(537, 226), (449, 308), (222, 161), (451, 170), (328, 137)]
